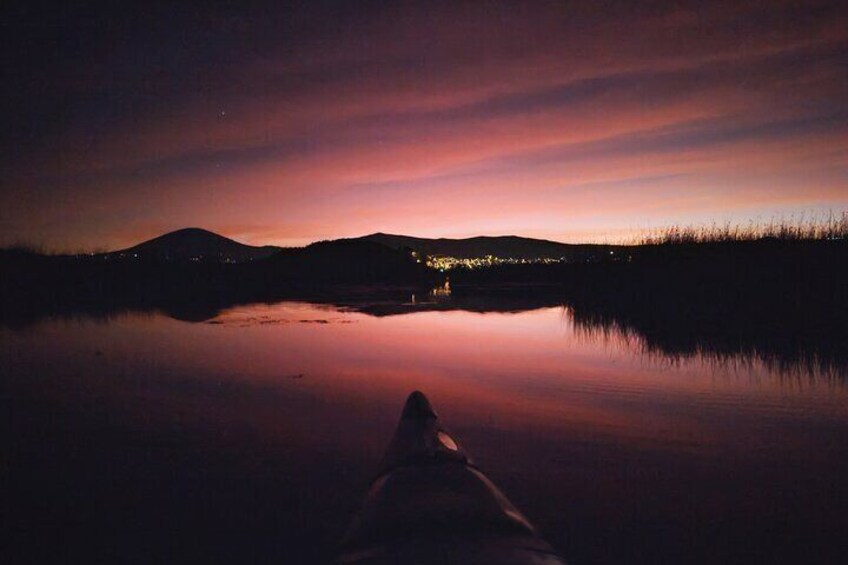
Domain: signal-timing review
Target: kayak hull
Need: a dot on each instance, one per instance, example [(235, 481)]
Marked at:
[(431, 504)]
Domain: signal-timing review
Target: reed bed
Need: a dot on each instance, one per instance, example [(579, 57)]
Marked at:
[(816, 228)]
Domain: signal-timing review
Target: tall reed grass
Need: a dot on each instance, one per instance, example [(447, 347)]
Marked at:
[(817, 228)]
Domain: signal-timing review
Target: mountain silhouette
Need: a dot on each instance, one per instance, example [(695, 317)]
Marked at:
[(195, 244), (343, 261), (508, 246)]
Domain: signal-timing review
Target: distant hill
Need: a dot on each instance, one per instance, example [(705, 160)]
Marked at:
[(195, 244), (343, 261), (508, 246)]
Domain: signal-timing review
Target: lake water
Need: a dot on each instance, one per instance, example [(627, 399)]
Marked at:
[(252, 436)]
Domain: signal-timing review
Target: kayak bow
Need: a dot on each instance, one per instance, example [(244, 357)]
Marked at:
[(431, 504)]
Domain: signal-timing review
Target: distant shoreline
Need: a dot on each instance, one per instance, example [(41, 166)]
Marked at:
[(784, 301)]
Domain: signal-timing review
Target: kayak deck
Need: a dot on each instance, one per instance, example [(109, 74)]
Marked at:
[(431, 504)]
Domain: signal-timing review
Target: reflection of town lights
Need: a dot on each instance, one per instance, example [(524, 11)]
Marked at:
[(441, 291)]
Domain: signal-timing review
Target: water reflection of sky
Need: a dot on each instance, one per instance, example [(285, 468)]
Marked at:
[(554, 412), (528, 367)]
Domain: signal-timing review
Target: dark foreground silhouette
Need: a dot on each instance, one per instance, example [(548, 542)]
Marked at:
[(431, 504)]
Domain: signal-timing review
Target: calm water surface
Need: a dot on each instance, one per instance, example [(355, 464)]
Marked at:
[(252, 436)]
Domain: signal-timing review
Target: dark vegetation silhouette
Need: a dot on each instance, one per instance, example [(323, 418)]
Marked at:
[(784, 302), (776, 293), (816, 228)]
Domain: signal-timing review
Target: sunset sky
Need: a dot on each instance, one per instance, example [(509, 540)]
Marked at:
[(286, 124)]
